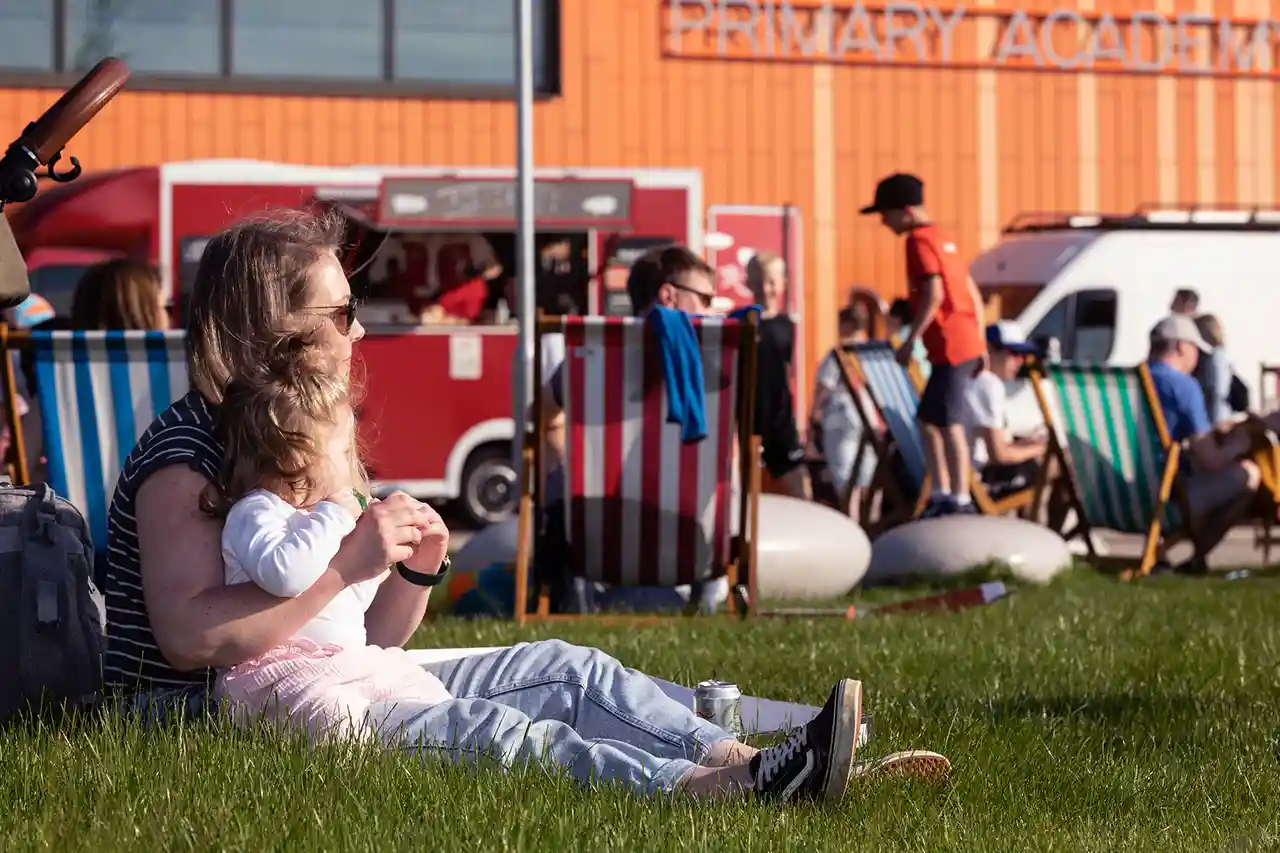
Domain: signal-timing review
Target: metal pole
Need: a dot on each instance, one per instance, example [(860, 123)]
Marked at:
[(525, 223)]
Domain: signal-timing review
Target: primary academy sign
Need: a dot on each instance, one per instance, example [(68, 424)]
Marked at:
[(910, 33)]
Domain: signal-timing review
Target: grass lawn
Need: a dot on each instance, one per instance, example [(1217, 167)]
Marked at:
[(1090, 715)]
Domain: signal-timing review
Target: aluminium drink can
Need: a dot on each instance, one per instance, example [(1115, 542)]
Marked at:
[(719, 702)]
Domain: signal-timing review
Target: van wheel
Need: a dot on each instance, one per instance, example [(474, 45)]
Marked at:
[(489, 486)]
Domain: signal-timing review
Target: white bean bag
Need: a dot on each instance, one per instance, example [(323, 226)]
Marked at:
[(953, 545), (808, 551)]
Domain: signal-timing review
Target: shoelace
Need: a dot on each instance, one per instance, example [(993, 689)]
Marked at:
[(774, 759)]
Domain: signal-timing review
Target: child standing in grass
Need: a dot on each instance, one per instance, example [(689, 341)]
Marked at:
[(288, 494)]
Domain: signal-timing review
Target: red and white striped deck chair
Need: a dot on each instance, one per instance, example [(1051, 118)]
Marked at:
[(642, 507)]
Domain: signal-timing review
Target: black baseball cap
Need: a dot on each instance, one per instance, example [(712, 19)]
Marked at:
[(897, 192)]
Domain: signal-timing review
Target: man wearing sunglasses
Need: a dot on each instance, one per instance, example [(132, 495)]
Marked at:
[(671, 277)]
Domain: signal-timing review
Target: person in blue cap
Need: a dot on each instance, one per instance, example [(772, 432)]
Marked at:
[(1003, 461)]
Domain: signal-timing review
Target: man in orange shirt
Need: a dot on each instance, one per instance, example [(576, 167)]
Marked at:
[(948, 320)]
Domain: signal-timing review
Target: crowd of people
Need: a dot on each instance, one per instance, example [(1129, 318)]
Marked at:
[(249, 569), (971, 367), (248, 563)]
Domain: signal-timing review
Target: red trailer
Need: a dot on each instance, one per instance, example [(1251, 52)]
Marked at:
[(437, 416)]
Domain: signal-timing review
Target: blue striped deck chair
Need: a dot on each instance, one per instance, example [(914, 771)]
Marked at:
[(97, 393), (895, 393), (1118, 460)]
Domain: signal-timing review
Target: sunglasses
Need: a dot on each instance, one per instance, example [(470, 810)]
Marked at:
[(705, 298), (343, 316)]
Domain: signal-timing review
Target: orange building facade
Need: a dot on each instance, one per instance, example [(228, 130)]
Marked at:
[(1082, 107)]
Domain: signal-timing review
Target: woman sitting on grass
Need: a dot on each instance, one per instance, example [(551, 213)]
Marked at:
[(173, 621)]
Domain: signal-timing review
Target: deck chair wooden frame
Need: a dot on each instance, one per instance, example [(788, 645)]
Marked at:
[(1093, 488), (1264, 538), (878, 429), (98, 391), (849, 378), (740, 562)]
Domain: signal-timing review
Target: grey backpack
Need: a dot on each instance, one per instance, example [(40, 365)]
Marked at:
[(51, 651)]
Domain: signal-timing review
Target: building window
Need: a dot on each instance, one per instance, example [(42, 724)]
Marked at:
[(469, 42), (151, 36), (450, 47), (26, 35), (339, 39)]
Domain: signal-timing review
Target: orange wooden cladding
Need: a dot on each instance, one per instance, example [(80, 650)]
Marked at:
[(989, 143)]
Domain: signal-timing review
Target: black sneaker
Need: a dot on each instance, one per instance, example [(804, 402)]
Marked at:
[(815, 760), (967, 508), (938, 507)]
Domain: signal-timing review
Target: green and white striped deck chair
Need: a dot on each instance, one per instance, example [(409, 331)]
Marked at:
[(1115, 450), (894, 393)]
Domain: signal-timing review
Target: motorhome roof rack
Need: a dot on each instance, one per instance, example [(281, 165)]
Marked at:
[(1153, 217)]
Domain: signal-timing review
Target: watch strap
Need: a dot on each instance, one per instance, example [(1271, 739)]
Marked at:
[(422, 578)]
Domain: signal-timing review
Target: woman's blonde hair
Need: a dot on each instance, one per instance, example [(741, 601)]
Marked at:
[(1210, 329), (251, 277), (271, 421), (758, 270), (118, 294)]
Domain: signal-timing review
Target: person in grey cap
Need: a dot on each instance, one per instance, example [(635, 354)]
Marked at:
[(1221, 481)]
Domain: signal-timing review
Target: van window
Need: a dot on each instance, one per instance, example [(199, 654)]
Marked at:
[(1053, 326), (1084, 323), (1095, 326)]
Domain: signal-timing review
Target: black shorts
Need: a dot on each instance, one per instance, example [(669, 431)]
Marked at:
[(942, 403), (1010, 478), (781, 447)]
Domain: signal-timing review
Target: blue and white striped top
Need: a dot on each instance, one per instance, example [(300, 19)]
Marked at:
[(183, 435)]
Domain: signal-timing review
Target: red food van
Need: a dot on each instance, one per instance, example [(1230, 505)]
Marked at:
[(436, 420)]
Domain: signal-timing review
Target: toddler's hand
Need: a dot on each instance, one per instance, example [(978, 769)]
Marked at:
[(431, 551), (346, 498)]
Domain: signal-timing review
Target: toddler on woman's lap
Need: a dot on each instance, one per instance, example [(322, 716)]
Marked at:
[(288, 493)]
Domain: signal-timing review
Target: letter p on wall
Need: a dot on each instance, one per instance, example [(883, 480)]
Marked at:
[(683, 18)]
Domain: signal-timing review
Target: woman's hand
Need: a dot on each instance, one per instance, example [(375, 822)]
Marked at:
[(388, 532), (431, 551), (398, 608)]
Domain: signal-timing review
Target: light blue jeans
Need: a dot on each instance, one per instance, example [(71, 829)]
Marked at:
[(548, 703), (567, 706)]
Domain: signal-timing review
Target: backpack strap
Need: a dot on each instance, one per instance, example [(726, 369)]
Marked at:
[(37, 526), (41, 514)]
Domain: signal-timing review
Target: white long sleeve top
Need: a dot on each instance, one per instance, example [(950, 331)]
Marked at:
[(284, 550)]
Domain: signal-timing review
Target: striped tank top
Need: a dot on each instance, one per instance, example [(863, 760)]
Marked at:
[(182, 435)]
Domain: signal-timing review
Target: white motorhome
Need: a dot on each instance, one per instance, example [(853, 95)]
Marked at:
[(1090, 287)]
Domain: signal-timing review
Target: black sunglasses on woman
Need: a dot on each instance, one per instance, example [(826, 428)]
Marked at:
[(343, 316)]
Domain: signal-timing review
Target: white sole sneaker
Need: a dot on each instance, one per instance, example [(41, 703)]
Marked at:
[(844, 740), (912, 764)]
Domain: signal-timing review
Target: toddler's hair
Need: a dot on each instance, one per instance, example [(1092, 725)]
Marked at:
[(268, 424)]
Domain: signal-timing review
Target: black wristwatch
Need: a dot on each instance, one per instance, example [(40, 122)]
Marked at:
[(422, 578)]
